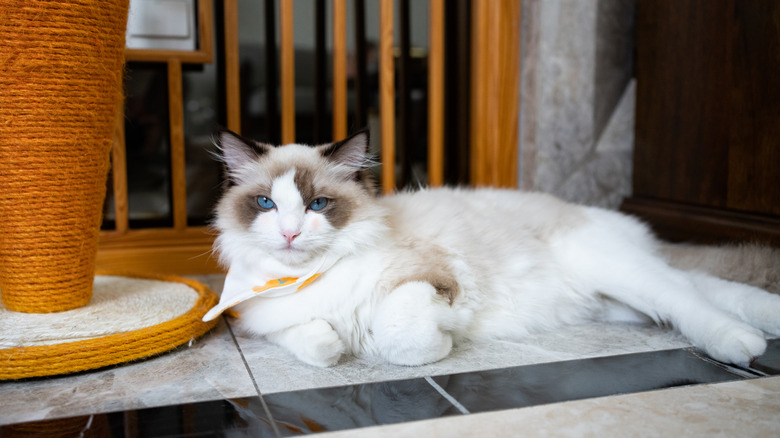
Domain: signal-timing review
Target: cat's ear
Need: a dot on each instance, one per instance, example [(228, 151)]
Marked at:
[(237, 150), (351, 152)]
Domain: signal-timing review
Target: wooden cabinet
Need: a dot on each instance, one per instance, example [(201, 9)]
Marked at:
[(707, 151)]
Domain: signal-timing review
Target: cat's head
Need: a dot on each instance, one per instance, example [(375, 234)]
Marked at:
[(294, 203)]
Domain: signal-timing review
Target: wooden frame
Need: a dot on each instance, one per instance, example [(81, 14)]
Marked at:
[(339, 69), (495, 88), (287, 71), (181, 249), (681, 222), (436, 94), (387, 94), (232, 73), (204, 54)]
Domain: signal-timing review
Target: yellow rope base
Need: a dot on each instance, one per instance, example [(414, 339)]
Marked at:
[(70, 357)]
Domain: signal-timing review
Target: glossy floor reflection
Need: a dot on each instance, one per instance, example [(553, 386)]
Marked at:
[(354, 406), (574, 380), (235, 417), (359, 406), (769, 362)]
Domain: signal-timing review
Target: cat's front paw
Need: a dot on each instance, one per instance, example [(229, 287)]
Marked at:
[(738, 345), (320, 345)]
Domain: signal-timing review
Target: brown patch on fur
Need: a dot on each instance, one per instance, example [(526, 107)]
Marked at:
[(429, 265), (445, 286)]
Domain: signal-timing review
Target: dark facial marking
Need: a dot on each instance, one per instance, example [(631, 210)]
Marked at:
[(339, 209), (246, 208), (304, 181)]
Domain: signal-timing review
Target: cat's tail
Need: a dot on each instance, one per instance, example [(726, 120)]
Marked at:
[(751, 264)]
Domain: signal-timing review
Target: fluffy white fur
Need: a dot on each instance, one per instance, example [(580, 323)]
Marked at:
[(421, 271)]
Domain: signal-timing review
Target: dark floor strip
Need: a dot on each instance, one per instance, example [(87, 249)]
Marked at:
[(580, 379), (355, 406), (446, 395), (769, 362), (747, 373)]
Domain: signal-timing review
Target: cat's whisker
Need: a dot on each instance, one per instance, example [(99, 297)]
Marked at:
[(211, 253)]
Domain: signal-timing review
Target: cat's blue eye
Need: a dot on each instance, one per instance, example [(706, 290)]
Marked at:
[(318, 204), (265, 203)]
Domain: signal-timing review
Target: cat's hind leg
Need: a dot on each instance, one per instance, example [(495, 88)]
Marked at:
[(669, 296), (412, 325), (614, 256), (750, 304)]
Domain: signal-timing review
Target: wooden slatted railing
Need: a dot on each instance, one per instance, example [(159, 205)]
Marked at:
[(288, 71), (495, 96), (272, 120), (178, 161), (436, 94), (387, 94), (232, 70), (339, 69), (180, 249), (495, 24)]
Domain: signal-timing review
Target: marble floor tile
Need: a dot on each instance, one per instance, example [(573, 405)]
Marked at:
[(275, 370), (208, 369), (214, 282), (741, 408)]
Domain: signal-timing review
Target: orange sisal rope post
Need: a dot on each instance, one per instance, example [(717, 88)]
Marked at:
[(60, 83)]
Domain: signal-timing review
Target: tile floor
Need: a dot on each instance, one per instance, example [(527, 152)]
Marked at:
[(595, 379)]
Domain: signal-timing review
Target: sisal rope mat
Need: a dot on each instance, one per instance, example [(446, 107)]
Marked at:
[(128, 318)]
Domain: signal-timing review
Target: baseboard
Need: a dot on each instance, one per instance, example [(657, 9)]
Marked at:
[(688, 223), (159, 251)]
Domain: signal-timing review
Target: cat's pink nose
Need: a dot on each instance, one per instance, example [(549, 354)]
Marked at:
[(290, 235)]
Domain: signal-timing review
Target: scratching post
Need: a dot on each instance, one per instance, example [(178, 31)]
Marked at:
[(60, 83), (61, 65)]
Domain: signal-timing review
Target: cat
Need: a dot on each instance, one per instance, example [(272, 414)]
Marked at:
[(323, 267)]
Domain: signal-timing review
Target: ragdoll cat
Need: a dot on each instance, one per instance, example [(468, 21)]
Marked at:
[(323, 267)]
